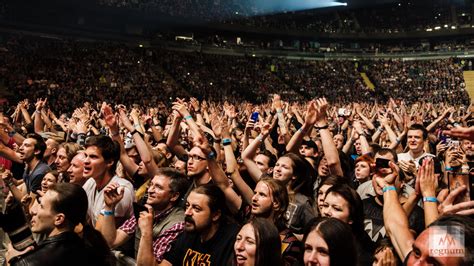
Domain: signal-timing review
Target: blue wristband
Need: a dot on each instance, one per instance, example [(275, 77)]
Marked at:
[(226, 141), (188, 117), (387, 188), (107, 213), (211, 155), (430, 199), (449, 169)]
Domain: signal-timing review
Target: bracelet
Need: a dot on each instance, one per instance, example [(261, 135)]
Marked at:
[(211, 155), (380, 129), (323, 127), (300, 129), (430, 199), (259, 138), (38, 111), (449, 169), (388, 188), (279, 111), (398, 140), (188, 117), (226, 141), (107, 213)]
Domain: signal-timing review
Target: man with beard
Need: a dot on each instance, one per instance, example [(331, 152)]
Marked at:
[(208, 236), (162, 223)]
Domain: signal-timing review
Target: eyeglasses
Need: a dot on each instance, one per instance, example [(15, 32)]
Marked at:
[(196, 157)]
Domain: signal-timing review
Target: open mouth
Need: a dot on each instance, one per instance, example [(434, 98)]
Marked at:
[(240, 258)]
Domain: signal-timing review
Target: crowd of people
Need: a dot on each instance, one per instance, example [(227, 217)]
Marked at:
[(68, 72), (273, 162)]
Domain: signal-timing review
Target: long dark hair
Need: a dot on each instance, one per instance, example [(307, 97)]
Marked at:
[(356, 210), (279, 195), (267, 241), (338, 237), (304, 176)]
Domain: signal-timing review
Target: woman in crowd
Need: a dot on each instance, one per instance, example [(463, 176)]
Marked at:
[(343, 203), (329, 241), (258, 244)]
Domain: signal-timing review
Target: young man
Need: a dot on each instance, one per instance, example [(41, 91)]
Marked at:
[(31, 153), (209, 237), (164, 193), (373, 204), (62, 208), (102, 155)]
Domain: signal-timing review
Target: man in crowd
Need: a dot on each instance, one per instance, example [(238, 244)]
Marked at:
[(164, 193), (209, 237), (102, 155), (62, 208), (76, 169)]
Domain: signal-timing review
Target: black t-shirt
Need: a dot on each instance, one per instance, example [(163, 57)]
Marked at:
[(189, 250), (374, 225)]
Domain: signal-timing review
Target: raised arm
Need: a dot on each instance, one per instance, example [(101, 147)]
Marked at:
[(218, 175), (395, 219), (142, 147), (249, 153), (329, 148), (310, 118)]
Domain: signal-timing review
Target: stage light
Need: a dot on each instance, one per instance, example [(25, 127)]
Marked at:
[(279, 6)]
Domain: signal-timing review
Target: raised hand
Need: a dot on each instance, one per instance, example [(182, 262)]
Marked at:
[(113, 194), (463, 208)]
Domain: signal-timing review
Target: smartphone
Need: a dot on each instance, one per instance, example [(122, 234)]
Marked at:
[(454, 143), (137, 208), (254, 116), (456, 180), (382, 163)]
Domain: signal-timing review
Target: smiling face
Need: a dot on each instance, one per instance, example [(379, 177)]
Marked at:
[(160, 195), (48, 180), (337, 207), (415, 140), (245, 246), (283, 170), (316, 251)]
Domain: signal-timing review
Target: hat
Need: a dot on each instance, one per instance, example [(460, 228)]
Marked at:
[(310, 144)]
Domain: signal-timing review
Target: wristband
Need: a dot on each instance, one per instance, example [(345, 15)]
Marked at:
[(107, 213), (259, 138), (211, 155), (323, 127), (388, 188), (11, 133), (380, 129), (300, 129), (188, 117), (38, 111), (430, 199), (449, 169), (398, 140), (279, 111), (226, 141)]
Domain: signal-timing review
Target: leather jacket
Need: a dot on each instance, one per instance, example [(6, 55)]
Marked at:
[(64, 249)]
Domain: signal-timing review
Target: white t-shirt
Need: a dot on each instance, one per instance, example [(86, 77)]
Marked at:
[(96, 199), (406, 156)]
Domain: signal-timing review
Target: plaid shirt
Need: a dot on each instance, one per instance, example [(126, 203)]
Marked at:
[(162, 243)]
